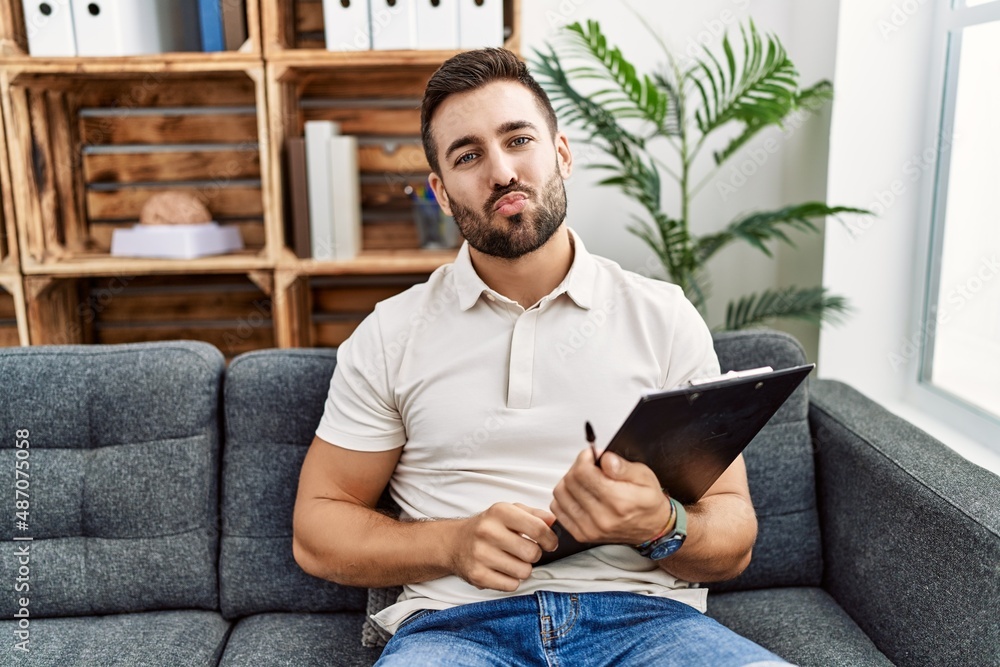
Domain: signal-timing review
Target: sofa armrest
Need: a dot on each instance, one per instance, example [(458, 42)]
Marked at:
[(911, 533)]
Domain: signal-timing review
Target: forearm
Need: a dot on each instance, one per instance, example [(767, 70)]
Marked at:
[(721, 531), (354, 545)]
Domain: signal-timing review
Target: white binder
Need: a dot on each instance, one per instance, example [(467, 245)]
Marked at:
[(394, 24), (347, 25), (128, 27), (437, 24), (345, 196), (49, 25), (480, 23), (318, 135)]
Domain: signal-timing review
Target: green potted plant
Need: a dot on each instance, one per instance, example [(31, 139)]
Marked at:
[(685, 104)]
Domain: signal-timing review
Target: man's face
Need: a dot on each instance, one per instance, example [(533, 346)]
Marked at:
[(501, 171)]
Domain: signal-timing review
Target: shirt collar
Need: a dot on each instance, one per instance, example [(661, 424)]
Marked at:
[(578, 283)]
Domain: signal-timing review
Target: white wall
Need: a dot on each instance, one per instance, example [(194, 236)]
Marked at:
[(884, 120), (794, 173), (879, 122)]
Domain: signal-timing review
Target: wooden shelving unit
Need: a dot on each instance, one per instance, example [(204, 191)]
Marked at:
[(88, 140), (13, 316)]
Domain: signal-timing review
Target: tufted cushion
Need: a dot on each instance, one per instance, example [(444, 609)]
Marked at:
[(780, 469), (273, 402), (121, 477), (152, 639)]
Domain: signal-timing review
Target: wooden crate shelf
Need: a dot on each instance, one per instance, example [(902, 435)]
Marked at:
[(298, 26), (88, 150), (231, 311), (373, 262), (14, 39), (323, 310), (380, 106)]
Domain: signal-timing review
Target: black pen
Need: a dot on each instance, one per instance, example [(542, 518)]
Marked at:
[(591, 438)]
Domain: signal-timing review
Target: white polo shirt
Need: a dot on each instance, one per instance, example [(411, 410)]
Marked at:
[(488, 401)]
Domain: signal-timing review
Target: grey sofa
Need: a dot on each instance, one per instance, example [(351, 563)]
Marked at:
[(160, 486)]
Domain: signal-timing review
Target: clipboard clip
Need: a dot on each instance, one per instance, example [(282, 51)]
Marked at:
[(731, 375)]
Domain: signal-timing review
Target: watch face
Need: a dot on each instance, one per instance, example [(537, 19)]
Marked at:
[(667, 547)]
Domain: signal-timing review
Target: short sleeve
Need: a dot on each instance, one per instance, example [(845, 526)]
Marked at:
[(692, 351), (360, 412)]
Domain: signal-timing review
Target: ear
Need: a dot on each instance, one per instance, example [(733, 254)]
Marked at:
[(437, 185), (564, 156)]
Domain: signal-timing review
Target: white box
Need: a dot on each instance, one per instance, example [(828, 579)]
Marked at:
[(49, 24), (394, 24), (437, 24), (175, 241), (134, 27), (347, 28), (480, 23)]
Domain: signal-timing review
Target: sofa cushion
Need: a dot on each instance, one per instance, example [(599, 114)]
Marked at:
[(298, 640), (803, 625), (121, 479), (168, 638), (780, 469), (273, 402)]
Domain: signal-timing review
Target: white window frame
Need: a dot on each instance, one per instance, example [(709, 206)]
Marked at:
[(922, 395)]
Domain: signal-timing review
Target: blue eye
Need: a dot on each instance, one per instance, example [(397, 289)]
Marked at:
[(521, 141), (462, 159)]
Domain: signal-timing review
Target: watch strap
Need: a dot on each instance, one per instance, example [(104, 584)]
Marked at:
[(671, 541)]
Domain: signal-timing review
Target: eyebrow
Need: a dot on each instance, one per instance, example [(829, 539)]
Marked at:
[(509, 126)]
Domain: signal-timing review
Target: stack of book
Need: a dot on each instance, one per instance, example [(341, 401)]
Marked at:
[(325, 193)]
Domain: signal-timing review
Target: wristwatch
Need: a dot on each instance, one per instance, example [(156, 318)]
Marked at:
[(670, 541)]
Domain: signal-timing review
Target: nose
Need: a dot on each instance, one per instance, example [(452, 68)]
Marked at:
[(502, 171)]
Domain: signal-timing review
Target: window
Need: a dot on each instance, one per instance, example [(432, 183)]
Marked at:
[(961, 355)]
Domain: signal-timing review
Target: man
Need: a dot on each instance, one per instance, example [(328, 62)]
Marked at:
[(468, 395)]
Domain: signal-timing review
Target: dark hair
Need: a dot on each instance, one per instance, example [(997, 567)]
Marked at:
[(471, 70)]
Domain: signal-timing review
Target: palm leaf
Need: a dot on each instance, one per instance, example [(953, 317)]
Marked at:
[(808, 100), (759, 90), (672, 122), (812, 304), (576, 108), (639, 96), (759, 228)]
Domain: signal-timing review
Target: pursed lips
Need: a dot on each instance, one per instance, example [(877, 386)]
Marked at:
[(511, 203)]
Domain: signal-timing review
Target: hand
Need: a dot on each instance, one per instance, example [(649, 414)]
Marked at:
[(495, 549), (619, 502)]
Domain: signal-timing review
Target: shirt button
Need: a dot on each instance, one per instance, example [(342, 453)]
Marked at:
[(491, 297)]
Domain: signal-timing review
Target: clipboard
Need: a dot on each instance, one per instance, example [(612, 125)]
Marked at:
[(689, 436)]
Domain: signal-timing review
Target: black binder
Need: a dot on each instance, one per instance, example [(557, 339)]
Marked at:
[(689, 436)]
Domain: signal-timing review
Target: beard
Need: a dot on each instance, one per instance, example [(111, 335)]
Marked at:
[(521, 233)]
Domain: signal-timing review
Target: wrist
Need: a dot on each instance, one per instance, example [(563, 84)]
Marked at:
[(668, 525), (668, 543)]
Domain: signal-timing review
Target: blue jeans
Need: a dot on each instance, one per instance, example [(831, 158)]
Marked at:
[(571, 629)]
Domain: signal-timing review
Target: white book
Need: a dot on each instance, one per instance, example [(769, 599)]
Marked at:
[(437, 24), (318, 135), (129, 28), (347, 25), (50, 27), (394, 24), (345, 196), (480, 23)]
